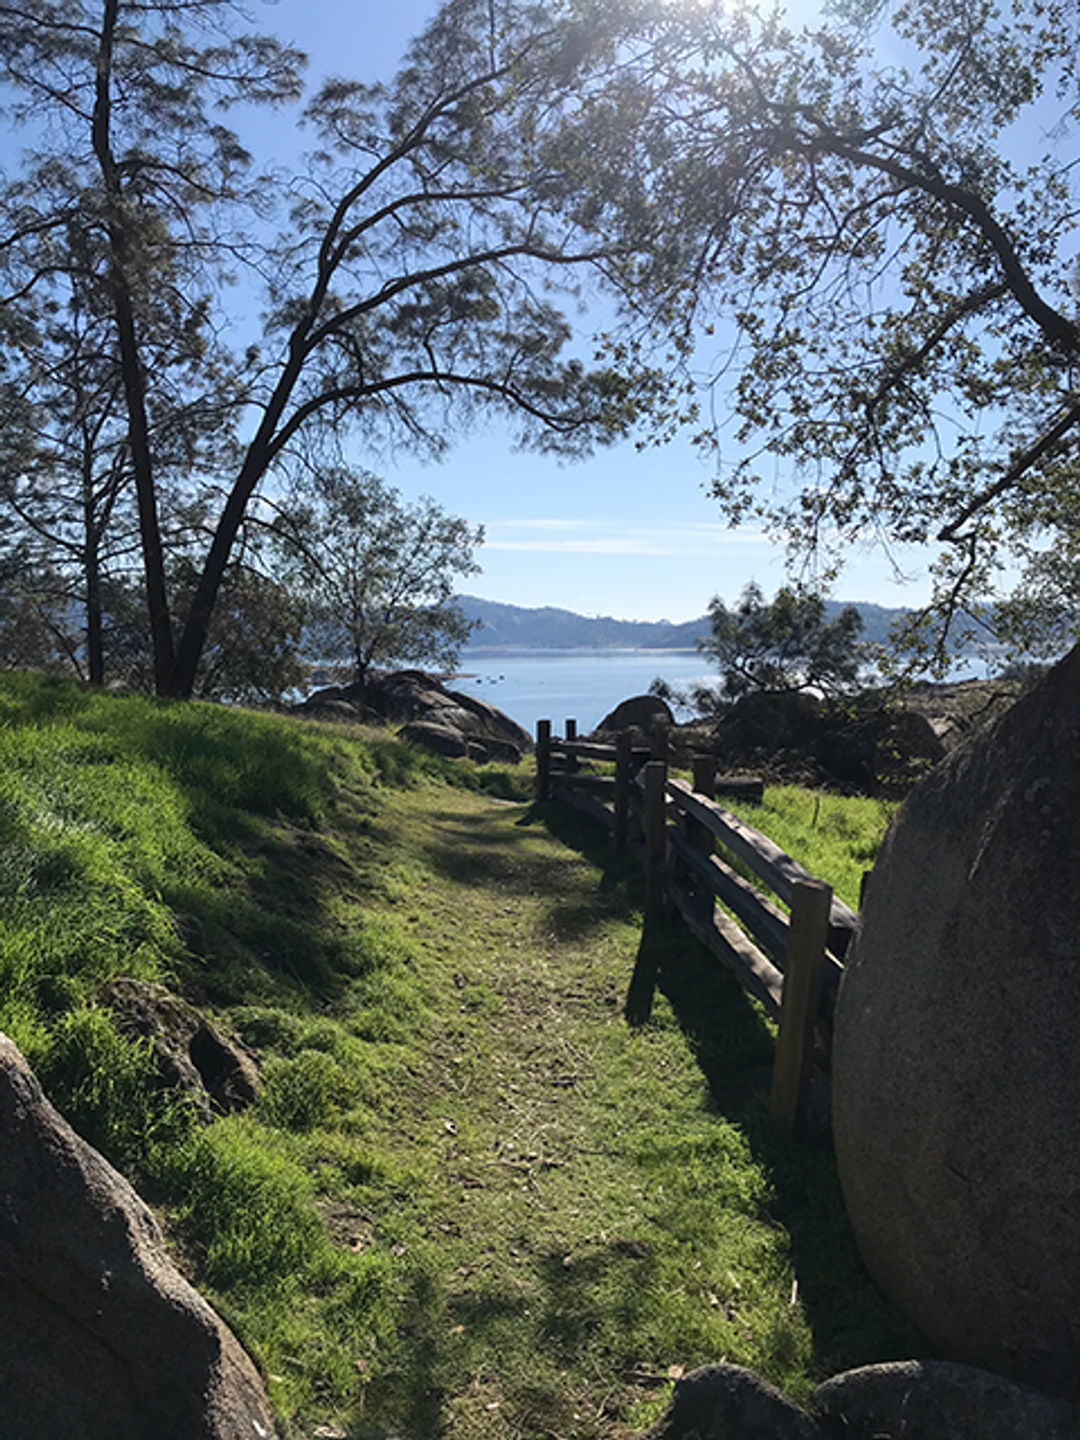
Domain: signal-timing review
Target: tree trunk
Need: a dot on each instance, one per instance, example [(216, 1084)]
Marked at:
[(95, 643), (130, 363), (259, 455)]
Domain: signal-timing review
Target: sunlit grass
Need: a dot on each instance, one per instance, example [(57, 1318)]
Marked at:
[(835, 837)]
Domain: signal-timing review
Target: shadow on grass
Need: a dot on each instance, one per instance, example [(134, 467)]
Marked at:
[(589, 838), (271, 931), (481, 852), (851, 1321), (734, 1043)]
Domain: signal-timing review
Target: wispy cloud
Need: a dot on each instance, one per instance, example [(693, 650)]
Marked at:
[(605, 537)]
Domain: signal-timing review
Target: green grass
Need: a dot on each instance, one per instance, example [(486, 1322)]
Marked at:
[(471, 1199), (835, 837)]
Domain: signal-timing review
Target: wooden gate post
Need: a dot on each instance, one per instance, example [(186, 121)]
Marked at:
[(623, 760), (655, 834), (704, 782), (658, 740), (807, 937), (543, 759)]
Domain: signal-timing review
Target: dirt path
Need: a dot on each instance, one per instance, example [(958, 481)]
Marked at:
[(580, 1225)]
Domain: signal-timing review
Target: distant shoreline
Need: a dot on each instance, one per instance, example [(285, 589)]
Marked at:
[(481, 650)]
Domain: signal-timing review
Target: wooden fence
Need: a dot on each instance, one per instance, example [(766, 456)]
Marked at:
[(789, 958)]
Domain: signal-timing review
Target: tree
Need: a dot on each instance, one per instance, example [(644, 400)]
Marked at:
[(377, 574), (888, 259), (413, 288), (785, 645)]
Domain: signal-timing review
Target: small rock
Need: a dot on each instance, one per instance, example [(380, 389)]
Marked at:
[(218, 1073)]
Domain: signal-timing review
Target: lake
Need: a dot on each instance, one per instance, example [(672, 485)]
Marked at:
[(584, 685)]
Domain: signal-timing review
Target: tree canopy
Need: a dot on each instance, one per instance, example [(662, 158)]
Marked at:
[(878, 215), (856, 210), (414, 285), (376, 575), (786, 644)]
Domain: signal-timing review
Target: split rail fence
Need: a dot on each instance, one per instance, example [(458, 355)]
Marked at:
[(790, 959)]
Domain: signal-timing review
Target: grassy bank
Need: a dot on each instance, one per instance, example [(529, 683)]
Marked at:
[(471, 1199)]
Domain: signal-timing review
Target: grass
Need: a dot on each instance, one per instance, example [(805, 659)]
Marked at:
[(834, 836), (471, 1198)]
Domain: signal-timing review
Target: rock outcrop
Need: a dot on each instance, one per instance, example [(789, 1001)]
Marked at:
[(101, 1338), (449, 722), (937, 1400), (956, 1068), (216, 1072), (864, 744), (727, 1402)]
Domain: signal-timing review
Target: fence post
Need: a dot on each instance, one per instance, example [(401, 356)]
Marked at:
[(659, 739), (543, 759), (655, 834), (623, 760), (807, 937), (704, 782), (571, 734)]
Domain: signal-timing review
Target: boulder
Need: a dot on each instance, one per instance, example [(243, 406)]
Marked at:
[(766, 721), (431, 713), (938, 1400), (640, 712), (878, 747), (189, 1052), (956, 1068), (101, 1338), (497, 725), (726, 1402), (439, 738), (322, 706)]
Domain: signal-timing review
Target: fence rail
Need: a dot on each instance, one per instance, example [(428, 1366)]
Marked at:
[(789, 959)]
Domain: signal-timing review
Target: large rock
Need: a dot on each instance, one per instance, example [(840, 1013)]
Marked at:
[(101, 1338), (937, 1400), (447, 721), (640, 712), (956, 1067)]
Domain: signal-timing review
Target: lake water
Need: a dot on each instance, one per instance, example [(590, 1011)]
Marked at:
[(584, 685)]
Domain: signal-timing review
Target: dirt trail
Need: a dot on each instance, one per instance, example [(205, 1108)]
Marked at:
[(592, 1225)]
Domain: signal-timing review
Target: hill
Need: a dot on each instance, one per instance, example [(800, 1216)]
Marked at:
[(507, 627)]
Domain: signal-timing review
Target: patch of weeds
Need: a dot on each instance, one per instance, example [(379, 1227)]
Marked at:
[(835, 837), (246, 1209)]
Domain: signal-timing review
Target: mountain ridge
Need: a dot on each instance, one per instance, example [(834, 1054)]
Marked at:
[(547, 627)]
